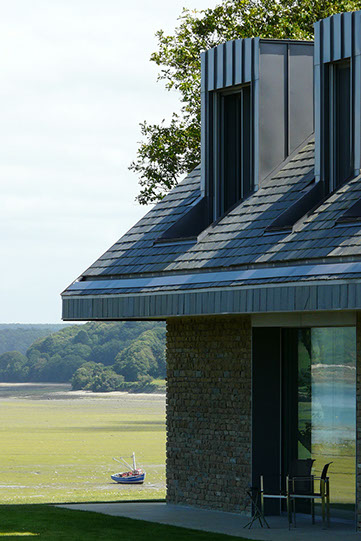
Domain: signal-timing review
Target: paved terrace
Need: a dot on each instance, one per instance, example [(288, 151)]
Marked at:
[(226, 523)]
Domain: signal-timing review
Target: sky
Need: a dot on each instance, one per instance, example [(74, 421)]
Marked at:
[(75, 82)]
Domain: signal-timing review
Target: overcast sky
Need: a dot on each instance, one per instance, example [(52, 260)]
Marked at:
[(75, 81)]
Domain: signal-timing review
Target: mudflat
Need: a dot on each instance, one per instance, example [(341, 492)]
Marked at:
[(57, 445)]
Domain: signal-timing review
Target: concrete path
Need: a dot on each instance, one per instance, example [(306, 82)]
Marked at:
[(226, 523)]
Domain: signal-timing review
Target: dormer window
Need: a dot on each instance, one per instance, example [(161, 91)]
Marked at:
[(339, 166), (257, 109), (234, 144), (337, 99)]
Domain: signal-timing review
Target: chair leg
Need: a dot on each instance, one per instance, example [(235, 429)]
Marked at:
[(313, 510), (323, 511), (328, 504), (289, 516), (294, 512)]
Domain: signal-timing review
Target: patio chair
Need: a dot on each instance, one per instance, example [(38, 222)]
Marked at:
[(303, 487), (271, 489)]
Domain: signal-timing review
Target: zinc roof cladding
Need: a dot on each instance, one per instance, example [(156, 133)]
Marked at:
[(239, 237), (215, 284)]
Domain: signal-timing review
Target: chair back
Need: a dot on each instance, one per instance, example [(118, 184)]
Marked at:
[(301, 467), (301, 481), (324, 476), (325, 470)]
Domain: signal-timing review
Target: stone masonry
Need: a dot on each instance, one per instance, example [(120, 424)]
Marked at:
[(209, 411)]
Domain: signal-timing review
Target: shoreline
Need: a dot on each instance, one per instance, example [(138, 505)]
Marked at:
[(63, 390)]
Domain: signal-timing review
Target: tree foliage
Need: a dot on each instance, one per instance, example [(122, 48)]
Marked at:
[(171, 150), (16, 336), (95, 356), (13, 366)]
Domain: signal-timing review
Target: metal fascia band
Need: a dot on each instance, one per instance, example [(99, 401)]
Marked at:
[(219, 276)]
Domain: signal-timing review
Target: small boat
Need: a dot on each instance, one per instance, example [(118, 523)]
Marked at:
[(135, 476)]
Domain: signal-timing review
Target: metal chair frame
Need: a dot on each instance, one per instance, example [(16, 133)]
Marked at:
[(253, 494), (281, 495), (323, 495)]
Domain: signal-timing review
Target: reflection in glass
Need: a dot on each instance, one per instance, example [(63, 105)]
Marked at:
[(327, 405)]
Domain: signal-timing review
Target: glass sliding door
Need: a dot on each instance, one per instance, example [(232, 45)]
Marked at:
[(319, 404), (333, 410)]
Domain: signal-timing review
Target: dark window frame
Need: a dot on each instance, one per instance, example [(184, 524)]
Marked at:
[(229, 187), (336, 153)]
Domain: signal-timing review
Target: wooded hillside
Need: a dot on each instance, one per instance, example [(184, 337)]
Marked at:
[(96, 356), (17, 336)]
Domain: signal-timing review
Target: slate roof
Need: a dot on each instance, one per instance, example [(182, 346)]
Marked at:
[(238, 240)]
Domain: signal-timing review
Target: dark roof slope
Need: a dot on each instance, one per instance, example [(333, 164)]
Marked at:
[(314, 266), (240, 237)]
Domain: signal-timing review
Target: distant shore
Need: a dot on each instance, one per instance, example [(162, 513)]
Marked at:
[(63, 390)]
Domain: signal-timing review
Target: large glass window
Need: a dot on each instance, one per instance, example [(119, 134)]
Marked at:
[(327, 405)]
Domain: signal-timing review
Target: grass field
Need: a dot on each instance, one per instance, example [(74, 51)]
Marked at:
[(52, 524), (56, 446)]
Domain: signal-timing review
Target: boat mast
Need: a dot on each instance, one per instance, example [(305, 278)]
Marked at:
[(134, 464)]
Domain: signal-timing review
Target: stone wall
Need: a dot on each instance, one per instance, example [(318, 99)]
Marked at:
[(358, 419), (209, 411)]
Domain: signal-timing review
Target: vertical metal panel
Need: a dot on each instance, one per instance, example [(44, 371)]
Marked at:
[(210, 69), (255, 134), (249, 304), (358, 296), (356, 67), (272, 107), (248, 60), (220, 68), (335, 297), (255, 56), (147, 311), (357, 33), (242, 302), (110, 307), (204, 135), (326, 40), (263, 300), (336, 37), (300, 94), (270, 298), (229, 63), (318, 118), (351, 295), (256, 300), (284, 300), (238, 62), (186, 305), (104, 307), (343, 297), (204, 118), (317, 49), (347, 35), (204, 59), (163, 309)]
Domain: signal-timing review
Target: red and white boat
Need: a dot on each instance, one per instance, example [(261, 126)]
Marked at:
[(132, 477)]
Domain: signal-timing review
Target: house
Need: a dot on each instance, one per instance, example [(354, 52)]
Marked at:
[(254, 262)]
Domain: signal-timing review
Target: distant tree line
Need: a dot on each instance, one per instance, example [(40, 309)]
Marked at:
[(17, 336), (94, 356)]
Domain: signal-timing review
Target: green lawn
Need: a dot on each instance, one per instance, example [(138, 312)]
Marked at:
[(48, 523), (55, 449)]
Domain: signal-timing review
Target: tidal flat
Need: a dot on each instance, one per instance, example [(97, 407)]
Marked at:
[(57, 445)]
